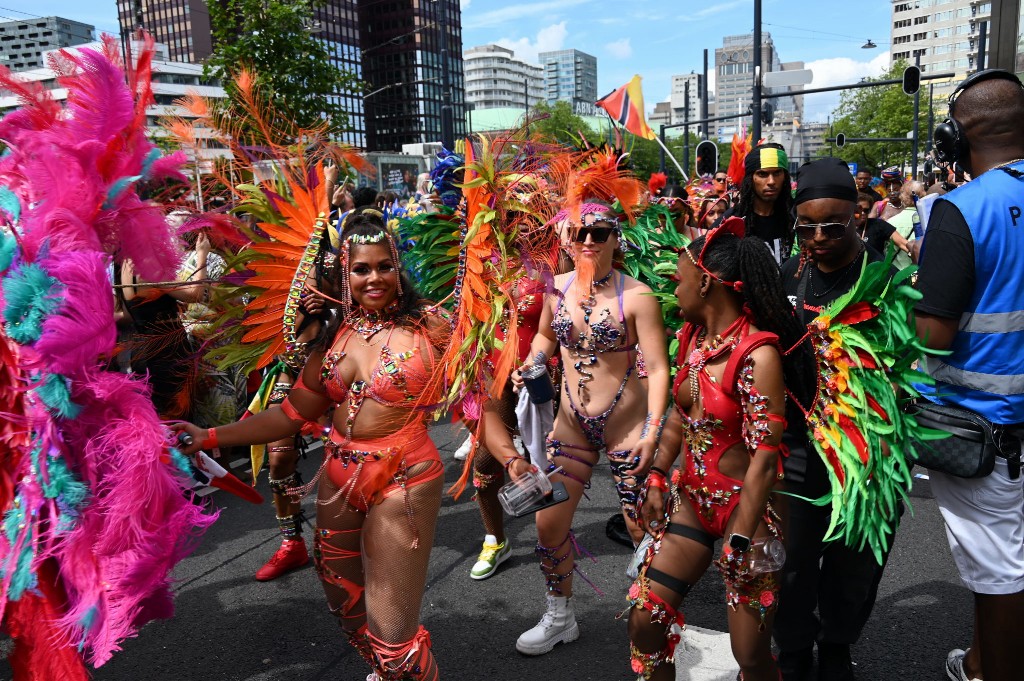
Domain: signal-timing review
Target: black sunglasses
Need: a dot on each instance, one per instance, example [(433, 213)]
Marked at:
[(830, 230), (721, 179), (598, 235)]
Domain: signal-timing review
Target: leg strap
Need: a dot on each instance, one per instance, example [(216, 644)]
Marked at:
[(409, 660), (644, 664), (628, 486), (679, 586), (281, 486), (699, 536), (291, 525), (324, 553)]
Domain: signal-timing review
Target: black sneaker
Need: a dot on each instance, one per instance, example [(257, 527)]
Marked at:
[(795, 665), (834, 663), (617, 532)]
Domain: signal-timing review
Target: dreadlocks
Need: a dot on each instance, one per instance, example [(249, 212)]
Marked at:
[(783, 206)]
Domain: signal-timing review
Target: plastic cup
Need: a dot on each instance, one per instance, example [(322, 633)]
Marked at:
[(518, 495)]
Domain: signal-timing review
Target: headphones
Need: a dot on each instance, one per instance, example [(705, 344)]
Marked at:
[(949, 137)]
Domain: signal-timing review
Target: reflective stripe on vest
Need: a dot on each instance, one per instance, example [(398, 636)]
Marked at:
[(984, 371)]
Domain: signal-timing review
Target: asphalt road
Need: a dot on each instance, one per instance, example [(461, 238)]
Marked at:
[(229, 627)]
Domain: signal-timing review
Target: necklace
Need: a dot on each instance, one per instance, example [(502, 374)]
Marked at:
[(367, 323), (840, 279), (700, 355), (587, 355)]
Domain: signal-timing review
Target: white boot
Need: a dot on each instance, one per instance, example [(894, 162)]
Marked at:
[(558, 625)]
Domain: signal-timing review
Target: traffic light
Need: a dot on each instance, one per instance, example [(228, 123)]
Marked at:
[(912, 79), (707, 158), (840, 139), (767, 113)]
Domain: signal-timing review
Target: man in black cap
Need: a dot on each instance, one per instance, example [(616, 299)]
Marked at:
[(765, 200), (841, 582)]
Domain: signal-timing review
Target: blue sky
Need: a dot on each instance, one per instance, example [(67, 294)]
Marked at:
[(655, 38)]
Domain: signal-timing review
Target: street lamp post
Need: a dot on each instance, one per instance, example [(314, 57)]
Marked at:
[(755, 124)]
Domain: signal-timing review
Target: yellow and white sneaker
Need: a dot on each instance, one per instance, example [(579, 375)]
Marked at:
[(491, 556)]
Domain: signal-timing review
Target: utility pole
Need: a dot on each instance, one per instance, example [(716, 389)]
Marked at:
[(755, 124), (704, 97), (917, 113), (447, 115), (661, 149), (686, 125), (982, 45)]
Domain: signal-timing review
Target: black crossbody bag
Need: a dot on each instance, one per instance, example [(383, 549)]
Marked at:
[(973, 445)]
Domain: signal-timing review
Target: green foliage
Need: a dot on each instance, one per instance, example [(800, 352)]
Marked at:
[(558, 123), (645, 159), (271, 38), (877, 112)]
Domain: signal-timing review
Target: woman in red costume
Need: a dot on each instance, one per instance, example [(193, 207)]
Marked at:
[(730, 397), (600, 317), (379, 488)]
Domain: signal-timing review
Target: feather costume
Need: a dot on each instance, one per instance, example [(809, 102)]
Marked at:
[(95, 513), (865, 346)]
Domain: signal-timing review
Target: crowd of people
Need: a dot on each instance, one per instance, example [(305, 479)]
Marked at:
[(718, 450)]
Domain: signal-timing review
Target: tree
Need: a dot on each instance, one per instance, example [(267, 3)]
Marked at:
[(272, 39), (876, 112), (558, 123)]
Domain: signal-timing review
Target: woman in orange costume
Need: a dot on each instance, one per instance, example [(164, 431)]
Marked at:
[(379, 488)]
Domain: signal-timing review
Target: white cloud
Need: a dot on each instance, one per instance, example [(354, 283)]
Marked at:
[(464, 4), (711, 10), (837, 71), (620, 49), (549, 39), (514, 14)]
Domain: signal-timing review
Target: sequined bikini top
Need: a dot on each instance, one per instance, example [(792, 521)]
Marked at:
[(606, 334), (398, 380)]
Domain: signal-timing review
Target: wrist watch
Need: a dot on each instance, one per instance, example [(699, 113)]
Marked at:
[(737, 542)]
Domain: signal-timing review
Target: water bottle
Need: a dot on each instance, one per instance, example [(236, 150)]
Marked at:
[(767, 555), (518, 495)]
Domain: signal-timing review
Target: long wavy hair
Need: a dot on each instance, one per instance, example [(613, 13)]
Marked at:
[(783, 206)]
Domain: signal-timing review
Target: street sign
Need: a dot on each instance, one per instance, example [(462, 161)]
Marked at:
[(853, 168), (788, 78)]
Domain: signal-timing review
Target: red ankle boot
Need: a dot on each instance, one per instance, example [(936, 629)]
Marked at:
[(291, 555)]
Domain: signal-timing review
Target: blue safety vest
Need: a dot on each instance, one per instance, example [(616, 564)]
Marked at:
[(985, 372)]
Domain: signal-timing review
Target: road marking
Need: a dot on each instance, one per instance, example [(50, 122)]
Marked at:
[(705, 655)]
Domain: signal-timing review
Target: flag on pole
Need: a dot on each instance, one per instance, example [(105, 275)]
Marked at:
[(626, 105)]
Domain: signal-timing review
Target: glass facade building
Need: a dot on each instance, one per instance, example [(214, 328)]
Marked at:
[(22, 43), (569, 76)]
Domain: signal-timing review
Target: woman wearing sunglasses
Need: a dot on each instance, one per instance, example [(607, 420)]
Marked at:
[(600, 318), (730, 398)]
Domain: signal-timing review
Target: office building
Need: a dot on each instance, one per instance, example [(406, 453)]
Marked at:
[(944, 34), (661, 115), (171, 81), (734, 68), (22, 43), (495, 78), (395, 48), (678, 97), (570, 76)]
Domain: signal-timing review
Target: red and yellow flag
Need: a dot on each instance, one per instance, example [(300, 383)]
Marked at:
[(626, 105)]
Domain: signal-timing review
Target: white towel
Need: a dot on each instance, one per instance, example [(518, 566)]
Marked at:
[(535, 422)]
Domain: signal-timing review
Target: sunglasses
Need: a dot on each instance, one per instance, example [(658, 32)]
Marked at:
[(721, 179), (598, 235), (829, 230)]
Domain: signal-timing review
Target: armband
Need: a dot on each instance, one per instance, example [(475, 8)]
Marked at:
[(511, 460), (210, 442), (291, 412), (657, 480)]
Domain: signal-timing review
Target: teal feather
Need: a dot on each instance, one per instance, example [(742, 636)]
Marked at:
[(30, 295), (151, 158), (8, 247), (55, 392), (181, 462), (9, 202), (118, 188), (20, 566), (86, 623)]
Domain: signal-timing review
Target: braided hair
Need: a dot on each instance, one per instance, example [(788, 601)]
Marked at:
[(410, 309), (783, 206), (747, 260)]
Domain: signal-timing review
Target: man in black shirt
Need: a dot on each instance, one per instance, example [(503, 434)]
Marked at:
[(839, 581), (864, 178), (766, 201)]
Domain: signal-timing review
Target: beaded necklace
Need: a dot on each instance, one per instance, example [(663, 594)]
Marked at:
[(585, 351), (700, 356), (368, 323)]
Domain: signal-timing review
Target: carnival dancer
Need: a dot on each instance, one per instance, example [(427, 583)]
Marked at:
[(730, 401), (380, 483), (600, 317)]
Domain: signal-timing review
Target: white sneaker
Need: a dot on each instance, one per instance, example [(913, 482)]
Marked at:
[(955, 666), (558, 625), (463, 451), (491, 556), (373, 677)]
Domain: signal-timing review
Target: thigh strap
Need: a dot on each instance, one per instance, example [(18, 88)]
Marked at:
[(699, 536), (667, 580)]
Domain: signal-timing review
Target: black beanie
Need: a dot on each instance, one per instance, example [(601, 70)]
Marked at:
[(825, 178)]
